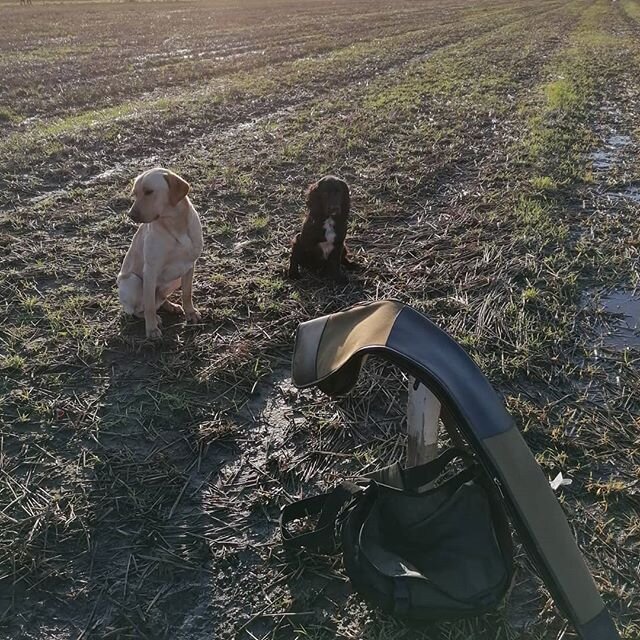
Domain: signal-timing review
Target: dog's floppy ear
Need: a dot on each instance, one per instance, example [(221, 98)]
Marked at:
[(133, 186), (346, 198), (178, 187), (313, 197)]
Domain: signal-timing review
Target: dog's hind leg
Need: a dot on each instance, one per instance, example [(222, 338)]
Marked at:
[(163, 293), (130, 294), (171, 307)]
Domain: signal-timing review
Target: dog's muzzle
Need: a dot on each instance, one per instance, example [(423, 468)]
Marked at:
[(134, 214)]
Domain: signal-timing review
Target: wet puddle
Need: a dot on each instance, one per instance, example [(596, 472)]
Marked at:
[(631, 193), (605, 158), (228, 52), (49, 195), (121, 169), (269, 422), (622, 329), (609, 157)]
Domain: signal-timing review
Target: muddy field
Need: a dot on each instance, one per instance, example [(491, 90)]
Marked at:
[(493, 154)]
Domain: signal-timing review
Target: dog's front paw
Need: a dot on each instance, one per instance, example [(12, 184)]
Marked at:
[(193, 316), (294, 272), (350, 265), (154, 333)]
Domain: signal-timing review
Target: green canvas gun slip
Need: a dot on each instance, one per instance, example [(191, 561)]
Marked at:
[(329, 352)]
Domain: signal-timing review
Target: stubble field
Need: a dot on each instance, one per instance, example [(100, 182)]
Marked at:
[(492, 150)]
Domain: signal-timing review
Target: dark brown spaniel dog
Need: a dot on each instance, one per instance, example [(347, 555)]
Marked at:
[(320, 245)]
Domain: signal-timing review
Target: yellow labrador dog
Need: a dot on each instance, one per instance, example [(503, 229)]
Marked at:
[(163, 251)]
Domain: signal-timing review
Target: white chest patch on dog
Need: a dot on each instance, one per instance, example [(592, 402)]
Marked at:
[(329, 237)]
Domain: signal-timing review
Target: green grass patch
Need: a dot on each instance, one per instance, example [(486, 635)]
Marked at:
[(9, 115), (562, 95), (543, 183), (259, 223)]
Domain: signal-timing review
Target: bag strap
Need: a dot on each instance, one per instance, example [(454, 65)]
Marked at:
[(415, 477), (500, 521), (328, 505)]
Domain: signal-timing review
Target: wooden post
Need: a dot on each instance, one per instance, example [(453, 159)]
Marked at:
[(423, 415)]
